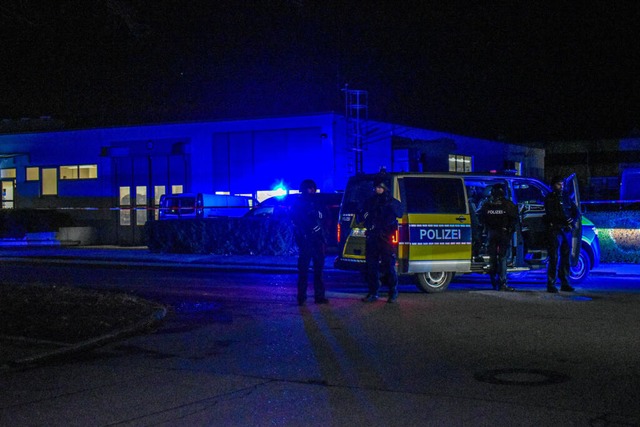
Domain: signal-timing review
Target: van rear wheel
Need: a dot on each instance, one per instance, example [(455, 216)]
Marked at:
[(434, 281)]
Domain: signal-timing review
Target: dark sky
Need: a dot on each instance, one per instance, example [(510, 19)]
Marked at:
[(524, 72)]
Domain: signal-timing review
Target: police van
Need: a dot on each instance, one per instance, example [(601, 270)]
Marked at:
[(437, 232), (202, 205)]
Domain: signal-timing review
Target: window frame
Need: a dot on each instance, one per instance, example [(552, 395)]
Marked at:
[(77, 174)]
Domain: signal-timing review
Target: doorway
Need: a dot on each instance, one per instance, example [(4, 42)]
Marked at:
[(8, 187), (139, 182)]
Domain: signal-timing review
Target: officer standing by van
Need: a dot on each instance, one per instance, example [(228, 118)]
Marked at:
[(309, 222), (380, 216), (562, 216), (500, 217)]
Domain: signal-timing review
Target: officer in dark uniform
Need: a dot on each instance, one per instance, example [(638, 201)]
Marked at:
[(562, 216), (500, 217), (380, 216), (309, 220)]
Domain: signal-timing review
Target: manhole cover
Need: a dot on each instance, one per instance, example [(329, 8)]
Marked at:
[(526, 377)]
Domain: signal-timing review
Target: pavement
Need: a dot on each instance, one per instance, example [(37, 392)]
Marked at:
[(19, 351), (328, 370)]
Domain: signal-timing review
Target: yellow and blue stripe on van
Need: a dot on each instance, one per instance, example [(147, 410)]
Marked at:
[(425, 237)]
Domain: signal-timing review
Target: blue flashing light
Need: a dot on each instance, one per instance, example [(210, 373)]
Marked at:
[(280, 190)]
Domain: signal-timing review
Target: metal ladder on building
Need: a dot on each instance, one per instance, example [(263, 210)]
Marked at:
[(356, 116)]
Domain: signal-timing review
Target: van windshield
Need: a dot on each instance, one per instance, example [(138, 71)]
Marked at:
[(358, 190)]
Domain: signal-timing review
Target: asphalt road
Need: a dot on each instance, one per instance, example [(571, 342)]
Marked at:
[(236, 350)]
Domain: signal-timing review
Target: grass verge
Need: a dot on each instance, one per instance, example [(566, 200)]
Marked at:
[(66, 314)]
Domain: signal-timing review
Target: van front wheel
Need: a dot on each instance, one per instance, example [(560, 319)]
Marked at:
[(434, 281)]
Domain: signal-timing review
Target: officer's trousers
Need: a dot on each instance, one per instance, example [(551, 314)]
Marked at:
[(311, 250), (381, 261), (559, 257), (498, 246)]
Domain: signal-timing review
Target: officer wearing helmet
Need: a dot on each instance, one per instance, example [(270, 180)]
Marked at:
[(380, 215), (562, 216), (309, 219), (500, 216)]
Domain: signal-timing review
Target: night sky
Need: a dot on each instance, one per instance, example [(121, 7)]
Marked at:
[(529, 71)]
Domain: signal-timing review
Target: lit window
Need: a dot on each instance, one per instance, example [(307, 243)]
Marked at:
[(49, 181), (518, 168), (458, 163), (33, 174), (177, 189), (125, 206), (158, 192), (68, 172), (125, 196), (88, 171), (141, 203), (8, 173), (79, 172)]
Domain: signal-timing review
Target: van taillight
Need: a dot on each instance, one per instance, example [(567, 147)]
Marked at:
[(338, 233), (394, 237)]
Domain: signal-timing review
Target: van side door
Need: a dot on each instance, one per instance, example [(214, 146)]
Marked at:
[(529, 196), (435, 231), (572, 191)]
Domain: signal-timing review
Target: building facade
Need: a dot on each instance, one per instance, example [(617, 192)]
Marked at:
[(607, 169), (112, 178)]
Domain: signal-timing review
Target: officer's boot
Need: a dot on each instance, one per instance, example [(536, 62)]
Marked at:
[(494, 281), (393, 295), (318, 291), (302, 289), (503, 287)]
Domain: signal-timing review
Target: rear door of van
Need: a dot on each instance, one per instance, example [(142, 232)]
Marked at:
[(435, 231)]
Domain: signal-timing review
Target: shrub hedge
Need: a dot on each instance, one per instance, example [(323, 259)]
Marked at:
[(222, 236), (619, 233)]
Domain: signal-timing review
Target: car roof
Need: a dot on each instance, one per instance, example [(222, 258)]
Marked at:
[(288, 199)]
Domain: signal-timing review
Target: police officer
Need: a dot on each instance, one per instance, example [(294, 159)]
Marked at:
[(500, 217), (380, 216), (309, 221), (562, 216)]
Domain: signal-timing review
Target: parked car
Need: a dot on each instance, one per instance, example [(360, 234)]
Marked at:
[(281, 205), (435, 234), (202, 205)]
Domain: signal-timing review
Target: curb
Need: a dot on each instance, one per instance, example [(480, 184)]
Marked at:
[(155, 318), (156, 264), (200, 265)]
